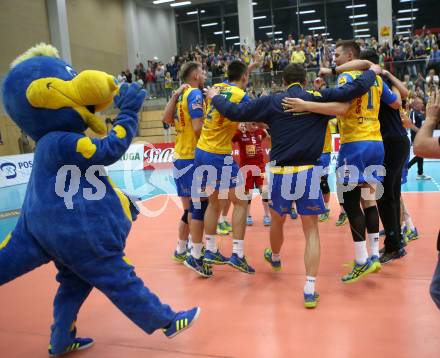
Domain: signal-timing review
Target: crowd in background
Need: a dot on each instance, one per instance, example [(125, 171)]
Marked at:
[(414, 59)]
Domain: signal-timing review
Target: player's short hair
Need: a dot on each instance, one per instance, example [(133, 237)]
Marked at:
[(187, 69), (236, 70), (370, 54), (294, 72), (350, 45)]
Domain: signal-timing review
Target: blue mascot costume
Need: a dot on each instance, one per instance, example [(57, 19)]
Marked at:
[(72, 214)]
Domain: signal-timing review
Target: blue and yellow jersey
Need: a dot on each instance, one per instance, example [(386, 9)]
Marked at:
[(217, 131), (328, 140), (189, 106), (361, 122)]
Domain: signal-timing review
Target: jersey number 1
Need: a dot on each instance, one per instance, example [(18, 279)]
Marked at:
[(370, 99)]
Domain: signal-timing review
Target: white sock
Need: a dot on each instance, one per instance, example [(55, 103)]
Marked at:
[(276, 257), (360, 252), (211, 243), (373, 240), (309, 287), (190, 243), (222, 219), (408, 221), (238, 248), (326, 205), (181, 246), (196, 250)]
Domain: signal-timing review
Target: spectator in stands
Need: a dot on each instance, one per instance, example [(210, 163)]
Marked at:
[(168, 86), (160, 80), (289, 44), (432, 81), (298, 56), (151, 83), (129, 75)]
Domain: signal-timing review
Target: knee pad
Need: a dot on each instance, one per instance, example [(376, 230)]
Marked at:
[(184, 217), (324, 185), (198, 210), (352, 202)]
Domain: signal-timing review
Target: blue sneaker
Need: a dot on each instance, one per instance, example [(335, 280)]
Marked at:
[(78, 344), (240, 264), (179, 257), (311, 300), (215, 258), (267, 220), (276, 265), (410, 235), (293, 214), (182, 321), (198, 265), (249, 221)]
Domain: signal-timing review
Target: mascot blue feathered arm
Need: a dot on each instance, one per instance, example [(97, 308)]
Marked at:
[(72, 213)]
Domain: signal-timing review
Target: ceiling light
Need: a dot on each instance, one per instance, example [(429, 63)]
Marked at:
[(221, 32), (232, 37), (403, 26), (357, 16), (156, 2), (254, 3), (259, 17), (405, 18), (306, 12), (266, 27), (359, 23), (195, 12), (237, 44), (316, 28), (355, 6), (175, 4), (311, 21), (209, 24), (361, 30), (403, 32), (359, 36), (407, 10)]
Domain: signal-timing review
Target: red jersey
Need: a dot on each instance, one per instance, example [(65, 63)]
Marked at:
[(251, 150)]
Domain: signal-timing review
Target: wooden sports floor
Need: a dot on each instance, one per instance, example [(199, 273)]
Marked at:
[(389, 314)]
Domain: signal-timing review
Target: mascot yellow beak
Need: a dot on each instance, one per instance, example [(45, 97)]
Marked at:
[(94, 89)]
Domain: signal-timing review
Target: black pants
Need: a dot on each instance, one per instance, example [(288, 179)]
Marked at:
[(419, 162), (396, 152)]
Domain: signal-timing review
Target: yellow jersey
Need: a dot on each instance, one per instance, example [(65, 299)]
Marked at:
[(189, 106), (328, 140), (361, 122), (217, 131)]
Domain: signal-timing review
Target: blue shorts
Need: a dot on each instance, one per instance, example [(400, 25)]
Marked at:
[(183, 174), (405, 172), (324, 161), (218, 171), (360, 162), (299, 188)]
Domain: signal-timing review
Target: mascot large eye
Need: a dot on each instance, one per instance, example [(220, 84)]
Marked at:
[(71, 71)]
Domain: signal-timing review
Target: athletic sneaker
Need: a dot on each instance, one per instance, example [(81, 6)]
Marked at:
[(78, 344), (249, 221), (228, 226), (375, 260), (222, 229), (324, 217), (181, 321), (359, 271), (423, 177), (240, 264), (276, 265), (215, 258), (198, 265), (342, 220), (386, 258), (410, 235), (180, 257), (267, 220), (293, 214), (311, 300)]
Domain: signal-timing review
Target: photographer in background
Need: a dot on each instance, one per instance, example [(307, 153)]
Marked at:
[(427, 146)]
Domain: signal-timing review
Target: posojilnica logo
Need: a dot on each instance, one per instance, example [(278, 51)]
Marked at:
[(9, 170)]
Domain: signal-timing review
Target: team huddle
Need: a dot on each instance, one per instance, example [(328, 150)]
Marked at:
[(366, 103)]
